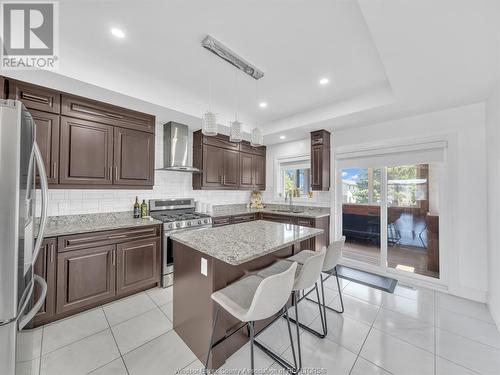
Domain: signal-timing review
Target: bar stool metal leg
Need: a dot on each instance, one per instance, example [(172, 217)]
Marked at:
[(296, 321), (212, 337), (251, 326), (330, 274), (295, 302)]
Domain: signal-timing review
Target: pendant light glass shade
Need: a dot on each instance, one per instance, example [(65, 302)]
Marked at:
[(235, 131), (209, 124), (257, 137)]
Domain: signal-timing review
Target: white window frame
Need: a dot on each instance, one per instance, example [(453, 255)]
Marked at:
[(278, 183)]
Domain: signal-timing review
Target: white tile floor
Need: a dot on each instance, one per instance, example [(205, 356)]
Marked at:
[(413, 331)]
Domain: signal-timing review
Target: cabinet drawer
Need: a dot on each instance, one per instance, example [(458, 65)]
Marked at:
[(221, 141), (277, 218), (91, 110), (305, 222), (243, 218), (221, 221), (86, 240), (35, 97)]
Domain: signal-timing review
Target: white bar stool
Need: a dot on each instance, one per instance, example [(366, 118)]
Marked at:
[(253, 298), (308, 272)]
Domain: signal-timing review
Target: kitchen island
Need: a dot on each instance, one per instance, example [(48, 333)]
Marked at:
[(210, 259)]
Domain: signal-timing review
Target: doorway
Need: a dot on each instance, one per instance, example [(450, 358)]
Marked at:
[(390, 217)]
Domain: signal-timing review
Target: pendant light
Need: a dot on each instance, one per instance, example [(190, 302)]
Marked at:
[(209, 118), (235, 134), (257, 136)]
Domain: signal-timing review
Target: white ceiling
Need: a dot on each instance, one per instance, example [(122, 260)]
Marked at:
[(384, 58)]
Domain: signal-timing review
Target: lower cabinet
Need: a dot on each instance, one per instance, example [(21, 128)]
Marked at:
[(137, 265), (86, 270), (45, 266), (85, 277)]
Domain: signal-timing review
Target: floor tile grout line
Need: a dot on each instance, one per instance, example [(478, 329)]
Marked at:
[(467, 338), (459, 365), (74, 342), (135, 316), (364, 341), (147, 342), (116, 343)]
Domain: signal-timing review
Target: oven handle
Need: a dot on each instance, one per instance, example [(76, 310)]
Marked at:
[(167, 233)]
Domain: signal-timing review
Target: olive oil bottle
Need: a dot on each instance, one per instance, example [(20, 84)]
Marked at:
[(137, 209), (144, 208)]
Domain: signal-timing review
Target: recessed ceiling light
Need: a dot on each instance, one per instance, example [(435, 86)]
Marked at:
[(117, 32), (324, 81), (263, 105), (282, 136)]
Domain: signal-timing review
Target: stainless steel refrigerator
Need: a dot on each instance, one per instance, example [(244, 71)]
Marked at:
[(21, 235)]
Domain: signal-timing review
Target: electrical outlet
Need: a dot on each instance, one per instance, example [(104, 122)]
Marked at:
[(204, 267)]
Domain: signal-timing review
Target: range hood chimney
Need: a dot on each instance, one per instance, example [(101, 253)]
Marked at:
[(176, 148)]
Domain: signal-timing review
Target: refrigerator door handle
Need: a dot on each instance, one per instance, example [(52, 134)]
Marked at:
[(45, 196), (38, 304)]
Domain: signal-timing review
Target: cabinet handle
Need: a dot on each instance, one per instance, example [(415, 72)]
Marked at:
[(113, 257), (116, 173), (51, 254), (115, 237), (54, 169), (110, 173)]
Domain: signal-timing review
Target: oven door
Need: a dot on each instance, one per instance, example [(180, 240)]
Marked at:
[(168, 254)]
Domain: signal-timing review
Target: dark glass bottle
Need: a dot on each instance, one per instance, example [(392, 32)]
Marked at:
[(137, 209)]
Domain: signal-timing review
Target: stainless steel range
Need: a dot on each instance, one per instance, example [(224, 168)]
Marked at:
[(177, 215)]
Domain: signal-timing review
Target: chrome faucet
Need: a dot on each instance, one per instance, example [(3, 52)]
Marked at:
[(290, 198)]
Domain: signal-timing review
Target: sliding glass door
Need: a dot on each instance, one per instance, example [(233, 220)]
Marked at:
[(390, 217)]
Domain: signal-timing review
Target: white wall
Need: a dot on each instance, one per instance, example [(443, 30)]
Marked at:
[(283, 150), (493, 184), (464, 129), (167, 185)]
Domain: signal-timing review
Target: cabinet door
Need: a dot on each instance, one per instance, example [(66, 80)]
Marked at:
[(138, 265), (86, 154), (231, 175), (47, 138), (85, 277), (316, 167), (134, 157), (213, 166), (45, 267), (259, 165), (246, 171), (35, 97)]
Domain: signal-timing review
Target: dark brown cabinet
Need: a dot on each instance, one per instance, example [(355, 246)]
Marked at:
[(91, 110), (86, 143), (35, 97), (231, 170), (320, 160), (85, 277), (45, 266), (86, 153), (47, 138), (227, 165), (137, 265), (133, 157)]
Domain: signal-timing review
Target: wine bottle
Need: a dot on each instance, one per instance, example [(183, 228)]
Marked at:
[(144, 208), (137, 210)]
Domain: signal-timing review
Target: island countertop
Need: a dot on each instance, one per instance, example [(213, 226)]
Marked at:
[(240, 243)]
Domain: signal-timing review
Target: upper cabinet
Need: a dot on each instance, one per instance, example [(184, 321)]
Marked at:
[(91, 110), (134, 157), (320, 160), (227, 165), (35, 97), (86, 143)]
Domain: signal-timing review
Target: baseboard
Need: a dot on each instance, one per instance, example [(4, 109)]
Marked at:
[(469, 293)]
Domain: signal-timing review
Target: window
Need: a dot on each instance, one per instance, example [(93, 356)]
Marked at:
[(361, 185), (295, 177)]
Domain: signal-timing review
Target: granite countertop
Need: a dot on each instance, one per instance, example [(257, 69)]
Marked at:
[(73, 224), (311, 212), (240, 243)]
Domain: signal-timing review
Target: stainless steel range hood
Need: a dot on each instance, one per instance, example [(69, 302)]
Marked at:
[(176, 148)]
